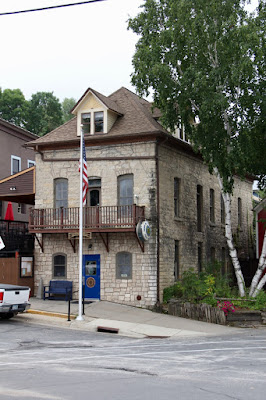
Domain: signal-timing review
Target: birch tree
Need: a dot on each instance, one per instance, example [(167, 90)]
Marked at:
[(204, 61)]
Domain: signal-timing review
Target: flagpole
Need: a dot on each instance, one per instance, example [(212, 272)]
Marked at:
[(79, 317)]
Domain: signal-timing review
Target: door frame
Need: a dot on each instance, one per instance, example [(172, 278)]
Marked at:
[(97, 278)]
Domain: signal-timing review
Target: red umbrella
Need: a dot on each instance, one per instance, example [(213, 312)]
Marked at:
[(9, 212)]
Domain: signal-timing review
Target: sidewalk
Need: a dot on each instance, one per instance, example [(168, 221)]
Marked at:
[(121, 319)]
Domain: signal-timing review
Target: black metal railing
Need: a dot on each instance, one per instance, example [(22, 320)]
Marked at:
[(16, 236)]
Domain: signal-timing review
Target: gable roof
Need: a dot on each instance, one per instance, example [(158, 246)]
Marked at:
[(8, 127), (20, 187), (260, 206), (135, 117), (105, 100)]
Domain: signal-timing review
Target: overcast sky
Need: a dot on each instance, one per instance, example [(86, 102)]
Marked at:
[(67, 50)]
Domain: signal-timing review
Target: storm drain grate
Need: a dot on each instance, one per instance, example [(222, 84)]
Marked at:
[(106, 329)]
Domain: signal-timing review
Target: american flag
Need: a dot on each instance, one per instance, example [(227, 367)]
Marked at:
[(85, 183)]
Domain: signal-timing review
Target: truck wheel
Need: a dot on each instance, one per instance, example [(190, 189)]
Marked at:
[(7, 316)]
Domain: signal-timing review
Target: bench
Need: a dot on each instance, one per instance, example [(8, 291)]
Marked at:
[(58, 290)]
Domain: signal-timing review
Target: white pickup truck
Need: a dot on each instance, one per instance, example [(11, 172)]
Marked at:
[(13, 299)]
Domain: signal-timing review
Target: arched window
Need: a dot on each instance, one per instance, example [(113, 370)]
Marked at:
[(94, 192), (123, 265), (59, 265), (239, 212), (61, 193), (199, 208), (125, 190)]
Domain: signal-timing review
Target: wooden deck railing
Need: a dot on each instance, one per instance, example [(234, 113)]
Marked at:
[(95, 219)]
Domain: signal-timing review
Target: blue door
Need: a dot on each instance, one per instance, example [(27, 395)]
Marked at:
[(91, 275)]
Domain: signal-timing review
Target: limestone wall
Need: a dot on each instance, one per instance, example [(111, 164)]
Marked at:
[(192, 172), (144, 271), (172, 164)]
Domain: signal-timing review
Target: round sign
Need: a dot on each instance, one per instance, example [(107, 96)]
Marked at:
[(143, 230), (90, 282)]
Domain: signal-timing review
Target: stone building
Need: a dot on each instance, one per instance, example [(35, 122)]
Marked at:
[(137, 172)]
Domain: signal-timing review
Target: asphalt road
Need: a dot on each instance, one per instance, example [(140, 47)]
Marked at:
[(47, 362)]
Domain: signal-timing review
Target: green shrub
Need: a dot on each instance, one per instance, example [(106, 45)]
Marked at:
[(175, 291), (201, 288), (260, 301)]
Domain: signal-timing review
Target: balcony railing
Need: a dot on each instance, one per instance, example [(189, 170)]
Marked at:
[(95, 219), (16, 237)]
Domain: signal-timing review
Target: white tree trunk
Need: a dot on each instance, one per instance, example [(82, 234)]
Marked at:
[(229, 238), (254, 288), (260, 286)]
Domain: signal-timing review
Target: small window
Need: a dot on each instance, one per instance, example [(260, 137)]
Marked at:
[(60, 193), (124, 265), (212, 202), (15, 164), (59, 266), (22, 208), (199, 208), (239, 212), (98, 121), (199, 257), (222, 211), (94, 182), (86, 122), (177, 197), (176, 262), (31, 163)]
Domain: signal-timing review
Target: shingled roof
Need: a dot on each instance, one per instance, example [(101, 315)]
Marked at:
[(135, 117), (109, 103)]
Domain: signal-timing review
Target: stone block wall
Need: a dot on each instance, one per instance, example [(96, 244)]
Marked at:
[(126, 291), (144, 265), (173, 163), (191, 172)]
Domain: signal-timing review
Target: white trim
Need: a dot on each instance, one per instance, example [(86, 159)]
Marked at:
[(79, 105), (92, 111), (19, 160), (32, 162)]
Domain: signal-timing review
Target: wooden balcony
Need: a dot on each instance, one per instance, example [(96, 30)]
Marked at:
[(95, 219)]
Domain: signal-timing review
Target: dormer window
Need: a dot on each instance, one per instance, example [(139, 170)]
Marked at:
[(86, 122), (92, 122), (96, 113), (98, 121)]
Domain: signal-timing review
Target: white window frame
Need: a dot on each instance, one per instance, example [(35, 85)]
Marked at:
[(19, 160), (31, 162), (92, 124), (22, 208), (53, 265)]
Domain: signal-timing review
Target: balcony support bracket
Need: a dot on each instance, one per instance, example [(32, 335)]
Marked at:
[(73, 243), (141, 244), (105, 241), (40, 242)]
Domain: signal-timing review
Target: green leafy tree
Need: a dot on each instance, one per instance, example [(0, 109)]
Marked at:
[(67, 105), (13, 106), (204, 62), (45, 113)]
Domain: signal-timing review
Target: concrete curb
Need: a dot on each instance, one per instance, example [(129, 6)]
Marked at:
[(50, 314)]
